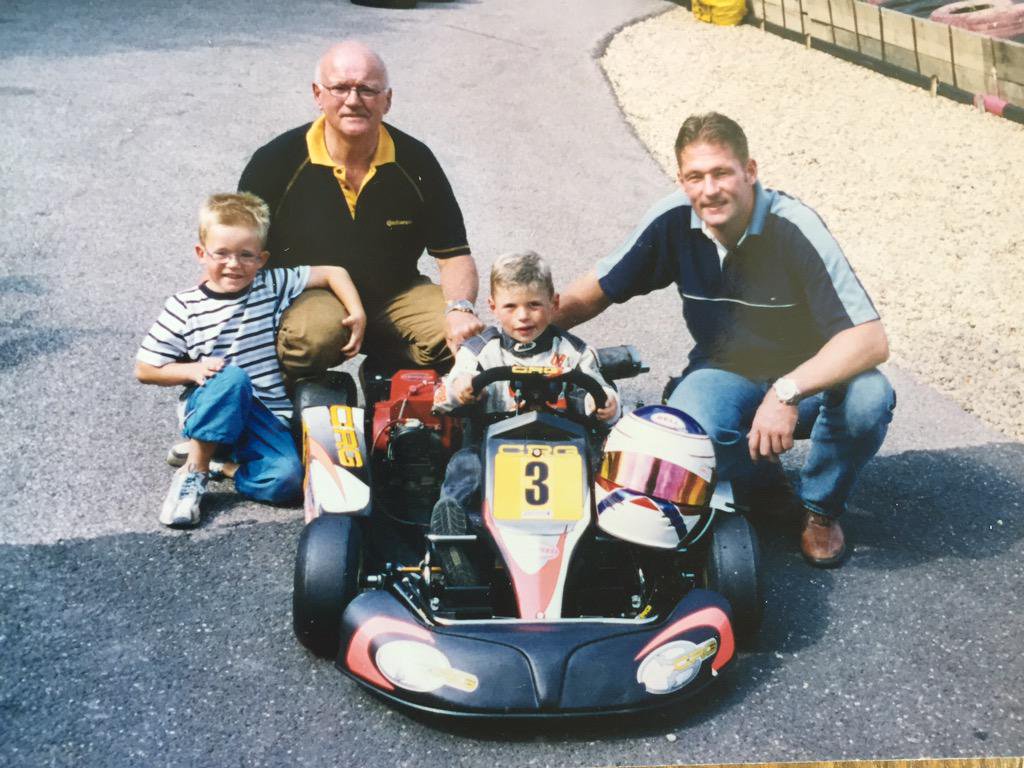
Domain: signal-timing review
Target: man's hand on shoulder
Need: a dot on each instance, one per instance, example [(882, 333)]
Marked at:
[(771, 433), (459, 282), (459, 326)]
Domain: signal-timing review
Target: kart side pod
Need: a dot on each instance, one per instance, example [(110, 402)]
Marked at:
[(337, 464)]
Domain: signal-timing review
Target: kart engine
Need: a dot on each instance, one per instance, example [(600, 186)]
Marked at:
[(411, 446)]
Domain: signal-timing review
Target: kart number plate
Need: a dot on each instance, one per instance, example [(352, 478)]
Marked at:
[(538, 482)]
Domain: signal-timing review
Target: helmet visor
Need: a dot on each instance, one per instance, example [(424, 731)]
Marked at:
[(652, 476)]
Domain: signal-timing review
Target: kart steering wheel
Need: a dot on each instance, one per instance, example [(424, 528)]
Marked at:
[(538, 380)]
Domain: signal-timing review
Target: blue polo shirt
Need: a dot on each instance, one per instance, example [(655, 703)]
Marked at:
[(773, 301)]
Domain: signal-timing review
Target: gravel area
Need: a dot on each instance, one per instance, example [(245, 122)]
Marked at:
[(923, 194)]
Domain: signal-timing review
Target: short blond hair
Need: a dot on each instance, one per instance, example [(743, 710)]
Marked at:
[(235, 209), (522, 269)]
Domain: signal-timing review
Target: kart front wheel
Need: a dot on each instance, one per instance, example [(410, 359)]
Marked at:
[(326, 579), (733, 570)]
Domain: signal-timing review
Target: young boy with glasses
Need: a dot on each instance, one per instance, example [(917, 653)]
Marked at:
[(218, 339)]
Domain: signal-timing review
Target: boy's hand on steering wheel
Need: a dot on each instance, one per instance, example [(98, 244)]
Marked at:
[(356, 324), (609, 410), (606, 412), (462, 390)]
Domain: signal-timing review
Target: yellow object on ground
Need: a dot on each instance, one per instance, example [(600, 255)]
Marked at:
[(725, 13)]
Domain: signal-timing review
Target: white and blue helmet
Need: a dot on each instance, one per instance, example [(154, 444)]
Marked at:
[(656, 479)]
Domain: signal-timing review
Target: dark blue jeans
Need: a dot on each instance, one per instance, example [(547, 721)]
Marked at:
[(225, 410), (846, 426), (462, 481)]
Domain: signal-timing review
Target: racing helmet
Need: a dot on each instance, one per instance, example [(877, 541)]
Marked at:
[(656, 479)]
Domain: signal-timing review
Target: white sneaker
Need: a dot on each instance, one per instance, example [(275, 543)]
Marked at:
[(181, 505)]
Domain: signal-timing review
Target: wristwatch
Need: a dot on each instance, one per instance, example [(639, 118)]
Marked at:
[(459, 305), (787, 391)]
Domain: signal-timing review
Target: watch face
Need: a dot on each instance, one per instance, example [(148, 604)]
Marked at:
[(786, 390)]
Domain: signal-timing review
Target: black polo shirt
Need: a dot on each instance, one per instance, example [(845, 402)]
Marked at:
[(777, 297), (406, 205)]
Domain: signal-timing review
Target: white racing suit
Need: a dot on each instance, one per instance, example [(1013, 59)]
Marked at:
[(554, 348)]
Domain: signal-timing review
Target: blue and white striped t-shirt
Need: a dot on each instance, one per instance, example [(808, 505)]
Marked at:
[(239, 327)]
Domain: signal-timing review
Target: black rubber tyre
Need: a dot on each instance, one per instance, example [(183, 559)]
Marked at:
[(734, 571), (326, 579), (449, 518)]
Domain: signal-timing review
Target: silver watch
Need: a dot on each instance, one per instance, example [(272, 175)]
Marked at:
[(787, 391), (459, 305)]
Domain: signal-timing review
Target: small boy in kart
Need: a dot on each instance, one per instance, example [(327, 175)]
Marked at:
[(523, 299), (217, 339)]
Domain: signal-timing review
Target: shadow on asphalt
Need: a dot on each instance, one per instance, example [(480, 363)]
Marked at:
[(169, 628), (918, 506), (908, 509), (24, 337)]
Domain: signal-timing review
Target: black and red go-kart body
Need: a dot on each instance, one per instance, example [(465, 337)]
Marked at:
[(528, 609)]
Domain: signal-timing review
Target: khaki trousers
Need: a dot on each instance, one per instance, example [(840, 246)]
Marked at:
[(407, 332)]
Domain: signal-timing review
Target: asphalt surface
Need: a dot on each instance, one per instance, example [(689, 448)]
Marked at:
[(125, 644)]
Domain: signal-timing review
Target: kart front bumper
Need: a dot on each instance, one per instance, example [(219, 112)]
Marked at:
[(531, 669)]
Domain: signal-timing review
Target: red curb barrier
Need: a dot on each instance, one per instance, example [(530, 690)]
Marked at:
[(992, 18)]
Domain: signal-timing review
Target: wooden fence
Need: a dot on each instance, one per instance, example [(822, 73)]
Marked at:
[(965, 60)]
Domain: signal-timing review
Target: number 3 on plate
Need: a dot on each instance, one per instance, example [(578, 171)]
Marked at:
[(537, 473)]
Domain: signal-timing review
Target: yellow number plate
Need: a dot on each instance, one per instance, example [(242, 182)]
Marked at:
[(538, 482)]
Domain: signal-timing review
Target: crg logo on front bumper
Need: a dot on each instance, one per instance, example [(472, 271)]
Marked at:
[(674, 665)]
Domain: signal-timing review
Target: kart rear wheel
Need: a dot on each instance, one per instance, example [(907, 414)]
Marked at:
[(449, 519), (733, 570), (326, 579)]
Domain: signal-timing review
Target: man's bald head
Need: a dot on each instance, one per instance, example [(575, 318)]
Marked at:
[(352, 90), (352, 55)]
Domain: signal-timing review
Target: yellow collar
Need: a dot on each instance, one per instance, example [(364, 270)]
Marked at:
[(318, 155), (317, 146)]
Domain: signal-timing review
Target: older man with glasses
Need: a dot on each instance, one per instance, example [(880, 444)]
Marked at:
[(351, 190)]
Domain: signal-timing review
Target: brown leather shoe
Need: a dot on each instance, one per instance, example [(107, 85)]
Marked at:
[(822, 541)]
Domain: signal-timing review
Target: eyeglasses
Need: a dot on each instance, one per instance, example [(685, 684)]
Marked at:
[(245, 257), (341, 91)]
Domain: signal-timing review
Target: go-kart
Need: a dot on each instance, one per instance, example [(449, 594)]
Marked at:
[(550, 601)]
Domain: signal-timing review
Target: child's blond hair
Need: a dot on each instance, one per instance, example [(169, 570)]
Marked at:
[(523, 269), (235, 209)]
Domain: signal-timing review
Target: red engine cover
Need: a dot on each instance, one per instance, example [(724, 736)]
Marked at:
[(412, 397)]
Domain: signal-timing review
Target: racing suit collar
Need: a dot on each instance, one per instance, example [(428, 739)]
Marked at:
[(542, 343)]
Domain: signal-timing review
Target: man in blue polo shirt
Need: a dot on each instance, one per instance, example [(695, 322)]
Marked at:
[(786, 338)]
